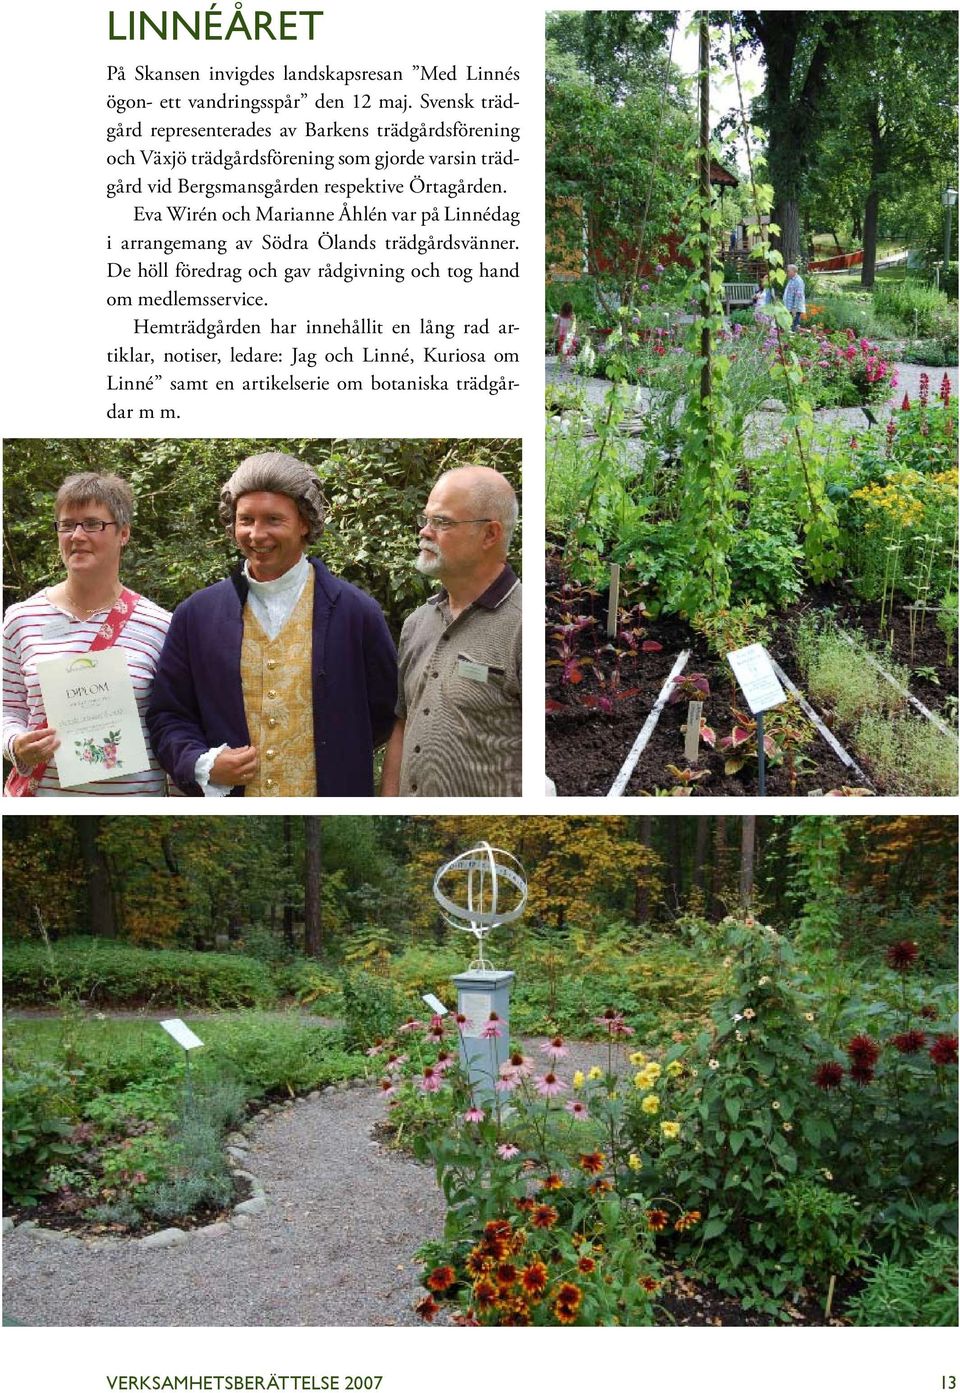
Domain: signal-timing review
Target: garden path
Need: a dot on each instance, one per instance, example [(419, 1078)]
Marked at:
[(335, 1246)]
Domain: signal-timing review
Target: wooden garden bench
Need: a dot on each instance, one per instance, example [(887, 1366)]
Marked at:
[(738, 295)]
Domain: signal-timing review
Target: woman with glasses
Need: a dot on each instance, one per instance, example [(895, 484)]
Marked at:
[(90, 608)]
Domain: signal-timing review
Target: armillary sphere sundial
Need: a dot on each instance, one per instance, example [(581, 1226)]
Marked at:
[(479, 890)]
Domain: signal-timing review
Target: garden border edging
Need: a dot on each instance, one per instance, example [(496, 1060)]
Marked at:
[(241, 1213)]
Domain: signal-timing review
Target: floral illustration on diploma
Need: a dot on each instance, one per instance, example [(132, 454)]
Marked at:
[(106, 753)]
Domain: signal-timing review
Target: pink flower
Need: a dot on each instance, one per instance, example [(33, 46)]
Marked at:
[(410, 1024), (430, 1081), (395, 1062), (387, 1087), (506, 1150), (924, 388), (474, 1115), (548, 1085), (507, 1083), (493, 1030), (577, 1109), (613, 1023), (555, 1048), (375, 1049)]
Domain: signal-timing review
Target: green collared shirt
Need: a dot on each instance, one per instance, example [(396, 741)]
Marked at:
[(460, 696)]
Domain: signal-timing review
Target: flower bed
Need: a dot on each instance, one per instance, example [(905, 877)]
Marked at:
[(774, 1151)]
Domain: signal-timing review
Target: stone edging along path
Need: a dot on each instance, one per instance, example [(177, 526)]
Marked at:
[(330, 1241), (238, 1156)]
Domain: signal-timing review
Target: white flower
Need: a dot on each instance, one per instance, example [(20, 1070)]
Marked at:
[(808, 1015), (764, 982), (737, 1017), (788, 1126), (775, 1105), (749, 1013), (714, 1063)]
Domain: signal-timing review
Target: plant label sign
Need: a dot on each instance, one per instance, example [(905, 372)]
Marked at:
[(435, 1004), (754, 671), (182, 1033)]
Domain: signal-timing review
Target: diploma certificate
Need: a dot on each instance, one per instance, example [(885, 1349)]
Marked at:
[(89, 701)]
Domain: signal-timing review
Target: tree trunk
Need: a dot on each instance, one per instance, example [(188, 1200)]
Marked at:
[(700, 857), (96, 873), (788, 216), (312, 887), (871, 208), (288, 866), (641, 897), (717, 907), (747, 852)]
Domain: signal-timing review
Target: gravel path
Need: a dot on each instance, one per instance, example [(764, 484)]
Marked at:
[(335, 1246)]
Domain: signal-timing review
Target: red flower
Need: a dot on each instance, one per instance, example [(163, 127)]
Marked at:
[(944, 1050), (534, 1278), (485, 1294), (828, 1076), (861, 1073), (441, 1278), (427, 1308), (649, 1283), (909, 1042), (586, 1264), (657, 1220), (544, 1216), (863, 1051), (905, 404), (929, 1013), (593, 1163), (902, 955)]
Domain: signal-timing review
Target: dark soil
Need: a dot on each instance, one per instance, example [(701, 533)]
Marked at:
[(65, 1211), (686, 1301), (592, 722)]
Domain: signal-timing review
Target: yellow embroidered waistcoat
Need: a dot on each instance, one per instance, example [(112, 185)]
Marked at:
[(277, 678)]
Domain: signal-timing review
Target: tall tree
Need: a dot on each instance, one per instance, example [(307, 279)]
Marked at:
[(313, 887), (797, 46), (748, 836), (96, 874)]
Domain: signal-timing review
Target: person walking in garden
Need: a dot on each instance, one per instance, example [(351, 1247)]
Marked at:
[(565, 331), (280, 680), (458, 729), (89, 610), (794, 295)]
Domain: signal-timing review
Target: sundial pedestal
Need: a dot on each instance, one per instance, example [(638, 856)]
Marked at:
[(481, 991)]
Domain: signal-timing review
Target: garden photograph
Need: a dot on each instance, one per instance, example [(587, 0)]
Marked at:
[(751, 402), (460, 1071)]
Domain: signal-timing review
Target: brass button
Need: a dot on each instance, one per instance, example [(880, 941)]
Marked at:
[(268, 783), (271, 721), (271, 694), (270, 754), (271, 663)]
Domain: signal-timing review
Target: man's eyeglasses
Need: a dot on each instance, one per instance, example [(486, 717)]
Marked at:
[(442, 524), (87, 525)]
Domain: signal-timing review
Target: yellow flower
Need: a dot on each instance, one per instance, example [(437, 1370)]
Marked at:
[(650, 1105), (637, 1058), (653, 1070), (674, 1069), (641, 1082), (595, 1073), (670, 1130), (634, 1162), (579, 1079)]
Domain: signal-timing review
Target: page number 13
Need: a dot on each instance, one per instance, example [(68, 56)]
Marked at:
[(948, 1381)]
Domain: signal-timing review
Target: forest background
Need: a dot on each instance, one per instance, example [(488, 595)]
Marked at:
[(374, 490)]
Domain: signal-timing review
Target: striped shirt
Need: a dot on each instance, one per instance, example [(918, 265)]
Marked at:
[(36, 629), (460, 696)]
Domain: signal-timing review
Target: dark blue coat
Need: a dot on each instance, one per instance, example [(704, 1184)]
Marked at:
[(197, 699)]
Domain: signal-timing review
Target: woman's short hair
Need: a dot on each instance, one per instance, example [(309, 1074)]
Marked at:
[(109, 490), (275, 473)]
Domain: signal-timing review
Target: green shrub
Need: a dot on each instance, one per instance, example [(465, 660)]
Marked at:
[(840, 677), (920, 1292), (372, 1008), (38, 1119), (918, 309), (118, 974), (277, 1055)]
